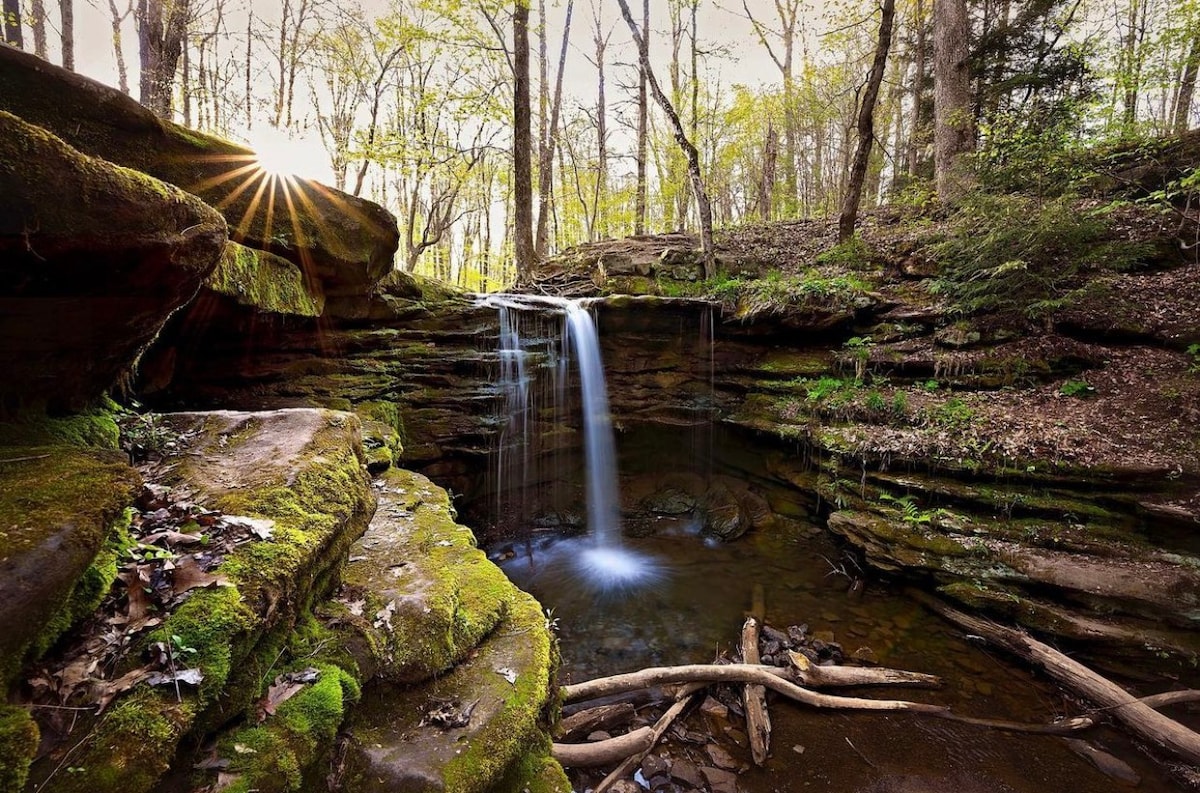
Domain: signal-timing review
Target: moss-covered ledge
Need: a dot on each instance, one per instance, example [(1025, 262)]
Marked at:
[(304, 471), (265, 282)]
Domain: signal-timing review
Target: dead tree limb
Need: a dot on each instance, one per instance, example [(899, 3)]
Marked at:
[(1138, 717), (754, 698), (585, 722), (588, 755), (813, 676), (774, 679)]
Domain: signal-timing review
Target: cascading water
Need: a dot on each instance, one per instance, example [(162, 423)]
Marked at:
[(603, 558)]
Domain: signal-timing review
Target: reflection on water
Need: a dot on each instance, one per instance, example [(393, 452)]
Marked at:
[(684, 602)]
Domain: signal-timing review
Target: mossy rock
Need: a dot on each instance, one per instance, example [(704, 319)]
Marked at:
[(94, 258), (95, 426), (62, 519), (301, 469), (18, 745), (429, 595), (390, 748), (346, 242), (265, 282)]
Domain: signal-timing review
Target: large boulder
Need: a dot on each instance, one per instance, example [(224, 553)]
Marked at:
[(345, 242), (93, 259)]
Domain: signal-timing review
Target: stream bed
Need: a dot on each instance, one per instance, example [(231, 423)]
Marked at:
[(687, 605)]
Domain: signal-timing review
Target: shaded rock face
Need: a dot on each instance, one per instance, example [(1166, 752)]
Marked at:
[(93, 258), (344, 242)]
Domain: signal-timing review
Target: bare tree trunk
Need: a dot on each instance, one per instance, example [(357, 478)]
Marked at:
[(866, 125), (953, 134), (766, 184), (38, 23), (522, 142), (249, 52), (185, 85), (12, 23), (689, 148), (1187, 87), (915, 137), (161, 27), (546, 166), (67, 34), (118, 19), (643, 127), (601, 194)]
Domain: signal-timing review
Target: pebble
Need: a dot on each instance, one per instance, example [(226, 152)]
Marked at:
[(654, 765), (626, 786), (713, 709), (984, 688), (599, 735)]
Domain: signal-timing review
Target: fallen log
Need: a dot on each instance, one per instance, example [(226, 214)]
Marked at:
[(1138, 717), (683, 699), (589, 755), (585, 722), (809, 674), (754, 698)]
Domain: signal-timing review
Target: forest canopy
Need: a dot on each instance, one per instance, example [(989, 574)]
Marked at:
[(411, 102)]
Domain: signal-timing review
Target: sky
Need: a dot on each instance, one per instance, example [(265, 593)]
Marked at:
[(722, 25)]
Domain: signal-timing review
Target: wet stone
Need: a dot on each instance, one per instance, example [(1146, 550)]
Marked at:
[(686, 773), (720, 757), (714, 709), (653, 765), (719, 780)]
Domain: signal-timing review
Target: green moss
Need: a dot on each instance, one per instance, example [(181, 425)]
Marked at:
[(18, 745), (94, 428), (210, 622), (520, 723), (130, 748), (535, 772), (264, 281)]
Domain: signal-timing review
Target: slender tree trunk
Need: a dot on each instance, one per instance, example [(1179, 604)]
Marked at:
[(118, 19), (866, 125), (1187, 87), (916, 127), (161, 31), (373, 125), (954, 134), (67, 34), (689, 148), (12, 23), (249, 61), (600, 198), (643, 127), (38, 23), (766, 184), (185, 85), (522, 143), (546, 166)]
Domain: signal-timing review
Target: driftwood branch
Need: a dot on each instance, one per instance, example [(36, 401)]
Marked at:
[(775, 679), (754, 698), (813, 676), (585, 722), (588, 755), (1138, 717)]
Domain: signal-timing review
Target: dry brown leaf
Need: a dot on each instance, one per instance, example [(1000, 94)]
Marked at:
[(188, 575), (112, 689)]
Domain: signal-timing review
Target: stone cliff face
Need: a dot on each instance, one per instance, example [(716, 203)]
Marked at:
[(1024, 473)]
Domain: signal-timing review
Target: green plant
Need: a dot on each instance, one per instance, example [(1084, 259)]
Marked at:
[(1077, 388), (910, 513), (1194, 351), (876, 402), (899, 403), (859, 348), (953, 414), (930, 385), (825, 388), (1020, 255), (854, 254)]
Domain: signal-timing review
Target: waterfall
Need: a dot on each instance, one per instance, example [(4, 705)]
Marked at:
[(603, 501), (605, 561)]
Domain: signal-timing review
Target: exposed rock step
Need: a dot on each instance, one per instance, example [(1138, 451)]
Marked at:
[(302, 470)]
